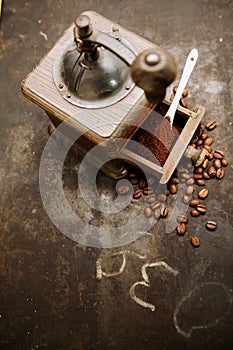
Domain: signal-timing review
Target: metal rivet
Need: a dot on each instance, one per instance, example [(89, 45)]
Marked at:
[(115, 29), (152, 58), (127, 87), (117, 37), (61, 86), (69, 95)]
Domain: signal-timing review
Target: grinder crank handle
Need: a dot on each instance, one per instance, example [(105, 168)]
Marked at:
[(188, 68)]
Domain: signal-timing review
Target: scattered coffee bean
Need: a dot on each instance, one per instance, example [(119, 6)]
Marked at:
[(189, 190), (217, 163), (185, 199), (210, 156), (203, 193), (208, 148), (195, 241), (151, 199), (204, 136), (208, 141), (147, 191), (155, 205), (164, 212), (151, 181), (198, 170), (211, 225), (162, 197), (175, 89), (131, 174), (185, 92), (172, 188), (220, 173), (137, 194), (200, 182), (183, 102), (194, 202), (181, 229), (157, 213), (123, 189), (148, 212), (211, 125), (218, 154), (142, 183), (206, 175), (197, 176), (195, 213), (185, 176), (175, 180), (205, 163), (199, 142), (134, 180), (201, 208), (211, 171), (190, 181), (172, 97), (182, 219), (224, 162)]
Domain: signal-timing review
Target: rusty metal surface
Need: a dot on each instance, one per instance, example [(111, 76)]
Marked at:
[(156, 293)]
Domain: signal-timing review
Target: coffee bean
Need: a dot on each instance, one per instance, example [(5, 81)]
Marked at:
[(210, 156), (194, 139), (175, 180), (123, 189), (200, 182), (134, 180), (185, 199), (211, 171), (194, 202), (157, 213), (198, 170), (190, 181), (162, 197), (224, 162), (203, 193), (142, 183), (217, 163), (211, 125), (181, 229), (205, 163), (151, 199), (183, 102), (201, 208), (195, 213), (220, 173), (151, 181), (197, 176), (218, 154), (211, 225), (175, 88), (208, 141), (185, 176), (189, 190), (182, 219), (172, 188), (137, 194), (148, 212), (131, 175), (185, 92), (164, 212), (172, 97), (155, 205), (208, 148), (147, 191), (204, 136), (199, 142), (195, 241), (206, 175), (201, 127)]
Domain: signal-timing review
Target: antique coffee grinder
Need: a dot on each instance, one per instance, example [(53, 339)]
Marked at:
[(104, 81)]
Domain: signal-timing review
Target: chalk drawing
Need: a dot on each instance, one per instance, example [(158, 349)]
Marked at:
[(147, 283), (187, 299), (100, 272)]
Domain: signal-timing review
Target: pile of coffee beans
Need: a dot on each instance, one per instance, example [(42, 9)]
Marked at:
[(192, 177)]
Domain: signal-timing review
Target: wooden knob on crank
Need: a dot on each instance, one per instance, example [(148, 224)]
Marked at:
[(153, 70)]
